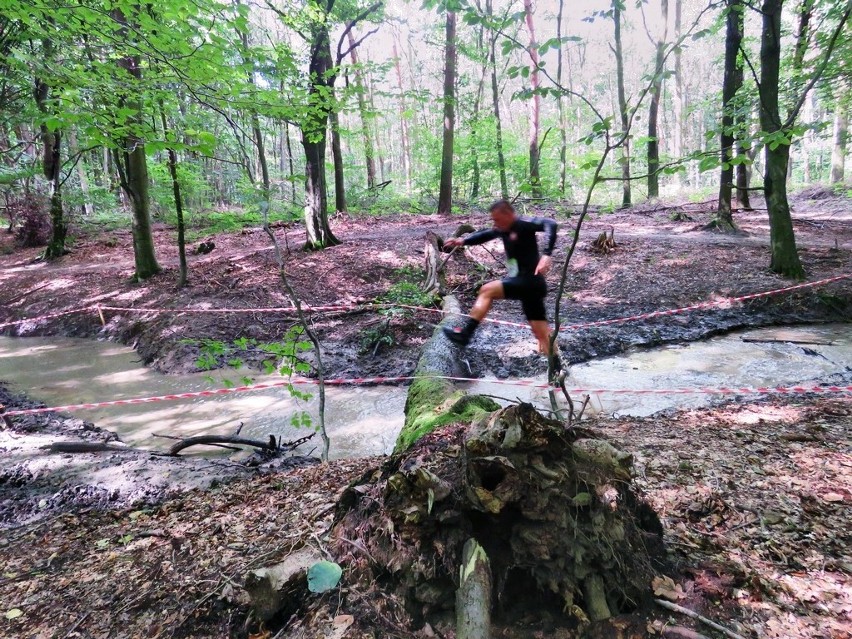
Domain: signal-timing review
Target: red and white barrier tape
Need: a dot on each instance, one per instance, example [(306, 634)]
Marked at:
[(720, 302), (360, 381), (44, 317), (349, 307)]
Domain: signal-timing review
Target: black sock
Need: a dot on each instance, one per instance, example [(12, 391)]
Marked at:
[(470, 327)]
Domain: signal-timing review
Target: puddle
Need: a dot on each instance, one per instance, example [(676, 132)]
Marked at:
[(760, 357), (360, 421), (365, 421)]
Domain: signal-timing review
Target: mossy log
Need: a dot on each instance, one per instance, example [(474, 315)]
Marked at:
[(434, 402), (567, 538)]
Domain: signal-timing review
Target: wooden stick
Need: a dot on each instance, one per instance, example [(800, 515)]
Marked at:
[(694, 615)]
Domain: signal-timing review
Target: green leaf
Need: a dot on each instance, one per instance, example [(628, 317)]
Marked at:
[(323, 576), (14, 613), (581, 499)]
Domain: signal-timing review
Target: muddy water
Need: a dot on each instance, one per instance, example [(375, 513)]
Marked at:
[(360, 421), (760, 357), (365, 420)]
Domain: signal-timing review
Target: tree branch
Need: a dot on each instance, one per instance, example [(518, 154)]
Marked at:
[(794, 112), (350, 25)]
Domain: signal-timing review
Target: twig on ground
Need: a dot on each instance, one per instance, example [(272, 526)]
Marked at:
[(694, 615)]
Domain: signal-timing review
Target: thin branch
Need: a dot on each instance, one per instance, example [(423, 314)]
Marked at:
[(351, 25), (694, 615), (794, 112)]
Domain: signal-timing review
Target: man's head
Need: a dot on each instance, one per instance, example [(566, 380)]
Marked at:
[(502, 214)]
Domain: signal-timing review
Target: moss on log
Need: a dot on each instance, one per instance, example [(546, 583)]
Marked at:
[(432, 402)]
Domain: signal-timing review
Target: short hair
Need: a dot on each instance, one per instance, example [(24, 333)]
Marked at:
[(501, 205)]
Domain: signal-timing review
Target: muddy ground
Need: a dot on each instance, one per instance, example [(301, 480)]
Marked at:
[(755, 495)]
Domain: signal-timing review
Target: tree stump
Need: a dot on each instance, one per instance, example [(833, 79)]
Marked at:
[(553, 509)]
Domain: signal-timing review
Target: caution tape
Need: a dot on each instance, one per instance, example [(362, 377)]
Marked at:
[(45, 317), (364, 381), (727, 301), (354, 307)]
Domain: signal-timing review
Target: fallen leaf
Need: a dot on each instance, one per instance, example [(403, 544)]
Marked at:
[(666, 588), (14, 613)]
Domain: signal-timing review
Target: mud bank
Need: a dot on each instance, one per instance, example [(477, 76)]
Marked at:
[(36, 483)]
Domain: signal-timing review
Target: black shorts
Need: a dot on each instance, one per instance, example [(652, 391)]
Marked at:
[(531, 291)]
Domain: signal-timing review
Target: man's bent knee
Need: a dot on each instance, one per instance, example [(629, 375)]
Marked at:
[(492, 290)]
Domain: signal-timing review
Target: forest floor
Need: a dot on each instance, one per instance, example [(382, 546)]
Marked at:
[(759, 538)]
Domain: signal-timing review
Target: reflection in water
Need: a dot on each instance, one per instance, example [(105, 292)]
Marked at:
[(365, 420), (360, 421)]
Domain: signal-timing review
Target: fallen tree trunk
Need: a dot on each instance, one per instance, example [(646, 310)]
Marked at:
[(87, 447), (433, 402)]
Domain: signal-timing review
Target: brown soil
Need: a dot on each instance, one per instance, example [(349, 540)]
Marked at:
[(754, 495), (657, 264)]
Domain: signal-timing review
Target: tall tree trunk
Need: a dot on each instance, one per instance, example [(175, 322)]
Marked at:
[(654, 107), (495, 96), (379, 154), (475, 120), (785, 257), (134, 180), (314, 131), (743, 176), (51, 164), (560, 105), (534, 104), (290, 163), (82, 175), (445, 194), (841, 135), (365, 120), (622, 107), (679, 95), (403, 121), (181, 226), (337, 155), (730, 85)]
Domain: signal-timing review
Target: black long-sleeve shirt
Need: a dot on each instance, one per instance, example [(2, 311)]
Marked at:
[(520, 241)]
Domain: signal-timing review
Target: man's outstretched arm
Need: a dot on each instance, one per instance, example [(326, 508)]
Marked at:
[(480, 237)]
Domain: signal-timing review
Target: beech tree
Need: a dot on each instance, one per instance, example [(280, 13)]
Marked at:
[(778, 132), (731, 84), (445, 192)]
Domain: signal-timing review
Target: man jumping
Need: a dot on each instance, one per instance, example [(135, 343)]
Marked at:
[(525, 281)]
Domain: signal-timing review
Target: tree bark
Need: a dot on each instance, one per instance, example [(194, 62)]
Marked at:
[(654, 107), (314, 132), (785, 257), (369, 153), (337, 155), (73, 148), (730, 85), (51, 163), (445, 193), (622, 108), (841, 135), (679, 94), (134, 180), (181, 226), (534, 104)]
